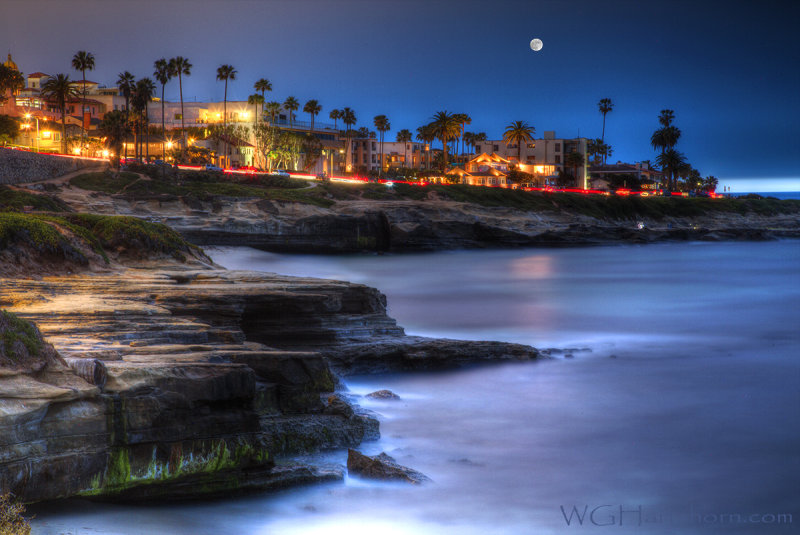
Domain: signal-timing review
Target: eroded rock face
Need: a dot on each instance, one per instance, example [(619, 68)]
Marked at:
[(187, 382), (382, 467)]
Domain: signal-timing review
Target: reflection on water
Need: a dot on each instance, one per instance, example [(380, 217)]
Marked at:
[(691, 428)]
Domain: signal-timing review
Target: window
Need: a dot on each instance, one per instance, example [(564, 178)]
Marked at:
[(531, 158), (492, 181), (496, 148), (373, 146), (558, 147), (558, 158), (531, 145), (178, 117), (477, 148)]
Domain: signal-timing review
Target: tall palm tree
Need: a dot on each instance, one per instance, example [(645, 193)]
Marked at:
[(464, 120), (404, 136), (83, 61), (382, 125), (256, 100), (575, 160), (445, 127), (263, 85), (59, 89), (163, 73), (225, 72), (335, 115), (519, 132), (349, 119), (426, 135), (291, 104), (273, 108), (142, 95), (605, 105), (666, 117), (126, 82), (115, 128), (666, 137), (181, 66), (313, 108)]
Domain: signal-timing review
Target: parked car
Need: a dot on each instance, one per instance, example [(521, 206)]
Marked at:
[(249, 169), (212, 167), (281, 173)]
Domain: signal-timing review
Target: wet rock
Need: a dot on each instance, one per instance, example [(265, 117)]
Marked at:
[(337, 405), (383, 394), (382, 467)]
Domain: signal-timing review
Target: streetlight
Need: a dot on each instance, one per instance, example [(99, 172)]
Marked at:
[(28, 116)]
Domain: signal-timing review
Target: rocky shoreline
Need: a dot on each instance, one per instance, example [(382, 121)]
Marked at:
[(175, 383), (412, 226)]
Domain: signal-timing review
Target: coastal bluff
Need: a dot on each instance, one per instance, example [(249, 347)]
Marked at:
[(176, 383), (17, 166)]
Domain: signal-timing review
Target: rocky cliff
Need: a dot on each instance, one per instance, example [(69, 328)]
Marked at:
[(187, 382)]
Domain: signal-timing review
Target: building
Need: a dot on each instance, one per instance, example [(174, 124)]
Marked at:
[(366, 154), (484, 170), (541, 157), (640, 173), (230, 151)]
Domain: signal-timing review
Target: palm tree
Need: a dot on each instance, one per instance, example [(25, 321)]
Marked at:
[(163, 73), (142, 95), (273, 108), (605, 105), (126, 82), (666, 137), (313, 108), (445, 127), (574, 160), (335, 115), (181, 66), (225, 72), (464, 120), (671, 162), (425, 134), (115, 128), (59, 89), (404, 136), (256, 100), (83, 61), (262, 85), (382, 125), (666, 117), (291, 104), (519, 132), (348, 117)]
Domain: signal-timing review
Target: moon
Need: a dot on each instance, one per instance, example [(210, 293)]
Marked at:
[(536, 44)]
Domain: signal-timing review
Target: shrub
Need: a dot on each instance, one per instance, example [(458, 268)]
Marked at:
[(11, 520)]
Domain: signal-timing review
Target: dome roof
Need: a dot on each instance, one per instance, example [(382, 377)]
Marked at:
[(10, 63)]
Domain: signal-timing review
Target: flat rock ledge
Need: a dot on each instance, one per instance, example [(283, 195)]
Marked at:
[(177, 384)]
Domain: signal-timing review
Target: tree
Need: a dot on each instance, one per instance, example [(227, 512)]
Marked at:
[(273, 108), (163, 73), (710, 183), (291, 104), (126, 82), (335, 115), (404, 136), (425, 134), (255, 100), (665, 138), (445, 127), (666, 117), (115, 128), (263, 85), (382, 124), (181, 66), (671, 162), (10, 80), (349, 119), (83, 61), (519, 132), (9, 128), (225, 73), (463, 120), (605, 105), (141, 97), (574, 160), (59, 89), (312, 108)]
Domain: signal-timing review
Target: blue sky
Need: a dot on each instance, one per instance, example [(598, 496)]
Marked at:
[(729, 69)]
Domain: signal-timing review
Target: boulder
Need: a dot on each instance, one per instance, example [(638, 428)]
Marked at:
[(383, 394), (382, 467)]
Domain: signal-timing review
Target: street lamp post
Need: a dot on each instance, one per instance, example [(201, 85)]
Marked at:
[(28, 116)]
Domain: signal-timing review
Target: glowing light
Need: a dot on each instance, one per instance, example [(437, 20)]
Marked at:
[(105, 154), (76, 150), (27, 115), (169, 144)]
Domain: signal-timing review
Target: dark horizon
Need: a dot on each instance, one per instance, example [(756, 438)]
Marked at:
[(725, 68)]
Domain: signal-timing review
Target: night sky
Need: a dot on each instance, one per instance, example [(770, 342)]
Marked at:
[(729, 69)]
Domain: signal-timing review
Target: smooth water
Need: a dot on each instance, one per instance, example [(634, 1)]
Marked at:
[(682, 417)]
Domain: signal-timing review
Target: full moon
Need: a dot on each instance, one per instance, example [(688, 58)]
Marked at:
[(536, 45)]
